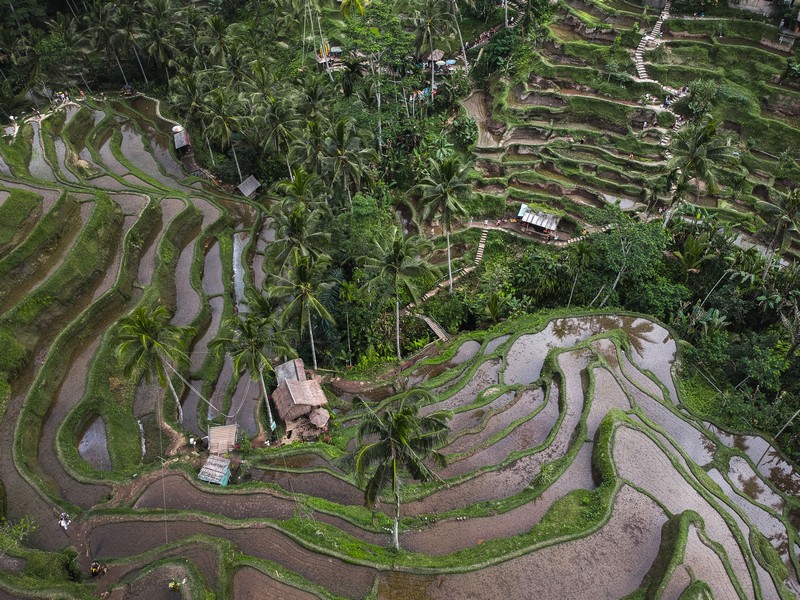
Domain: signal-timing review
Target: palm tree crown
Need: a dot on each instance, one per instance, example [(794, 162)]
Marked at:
[(443, 190), (396, 262), (398, 438), (148, 342)]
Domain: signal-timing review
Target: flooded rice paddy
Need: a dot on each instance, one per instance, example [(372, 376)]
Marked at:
[(522, 509)]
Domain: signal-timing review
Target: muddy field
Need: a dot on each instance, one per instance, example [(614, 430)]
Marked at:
[(532, 406)]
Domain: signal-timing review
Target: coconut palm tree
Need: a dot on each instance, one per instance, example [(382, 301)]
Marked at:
[(697, 150), (302, 287), (398, 438), (148, 343), (160, 32), (696, 250), (221, 109), (396, 262), (129, 32), (252, 341), (346, 157), (443, 189), (786, 217), (298, 228), (431, 19), (101, 29), (279, 124), (303, 190), (350, 6)]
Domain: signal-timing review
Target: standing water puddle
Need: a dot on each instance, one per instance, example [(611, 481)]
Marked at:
[(240, 240), (92, 446)]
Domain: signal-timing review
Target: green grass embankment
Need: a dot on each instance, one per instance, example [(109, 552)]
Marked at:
[(17, 213)]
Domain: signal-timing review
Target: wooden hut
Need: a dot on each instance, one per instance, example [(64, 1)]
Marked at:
[(222, 439), (295, 399)]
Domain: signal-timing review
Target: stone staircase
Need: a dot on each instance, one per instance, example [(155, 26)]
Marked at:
[(481, 246), (435, 328), (666, 139), (649, 41)]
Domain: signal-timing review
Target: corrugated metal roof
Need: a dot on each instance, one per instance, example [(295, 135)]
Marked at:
[(182, 139), (542, 220), (216, 470), (248, 186), (292, 369)]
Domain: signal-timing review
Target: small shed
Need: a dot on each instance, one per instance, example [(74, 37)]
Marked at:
[(294, 370), (181, 139), (294, 399), (222, 438), (249, 186), (216, 470), (537, 219)]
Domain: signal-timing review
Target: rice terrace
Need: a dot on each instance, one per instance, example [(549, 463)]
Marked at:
[(400, 300)]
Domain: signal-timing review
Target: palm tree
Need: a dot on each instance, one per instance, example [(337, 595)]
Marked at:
[(404, 441), (149, 343), (128, 32), (696, 251), (298, 229), (786, 213), (396, 262), (308, 147), (443, 189), (221, 109), (280, 121), (346, 157), (251, 341), (348, 6), (160, 31), (101, 29), (215, 39), (696, 151), (303, 190), (302, 287), (431, 19)]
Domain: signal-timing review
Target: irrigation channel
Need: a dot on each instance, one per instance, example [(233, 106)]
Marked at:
[(574, 471)]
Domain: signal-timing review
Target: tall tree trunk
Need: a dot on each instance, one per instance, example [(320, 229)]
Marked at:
[(116, 58), (210, 152), (140, 63), (397, 323), (449, 265), (396, 526), (236, 160), (613, 287), (266, 401), (574, 281), (454, 7), (174, 395), (380, 120), (288, 166), (311, 334), (349, 349)]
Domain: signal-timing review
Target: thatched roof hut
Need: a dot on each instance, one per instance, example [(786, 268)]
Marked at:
[(294, 399), (222, 438)]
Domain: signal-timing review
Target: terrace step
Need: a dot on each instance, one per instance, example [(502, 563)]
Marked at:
[(435, 327), (481, 245)]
